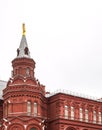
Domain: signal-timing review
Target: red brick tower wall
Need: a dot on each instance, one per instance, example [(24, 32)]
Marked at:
[(25, 105)]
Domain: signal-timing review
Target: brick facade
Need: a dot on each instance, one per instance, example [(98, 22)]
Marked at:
[(26, 106)]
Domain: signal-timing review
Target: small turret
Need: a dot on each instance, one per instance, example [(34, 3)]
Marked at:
[(23, 64)]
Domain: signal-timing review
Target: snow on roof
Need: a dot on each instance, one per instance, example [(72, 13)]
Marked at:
[(49, 94)]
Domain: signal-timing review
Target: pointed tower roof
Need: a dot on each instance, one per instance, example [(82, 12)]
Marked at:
[(23, 50)]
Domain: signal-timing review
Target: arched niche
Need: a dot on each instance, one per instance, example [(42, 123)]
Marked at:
[(33, 128), (70, 128), (16, 127)]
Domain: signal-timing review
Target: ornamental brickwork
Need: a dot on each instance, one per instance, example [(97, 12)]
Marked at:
[(27, 106)]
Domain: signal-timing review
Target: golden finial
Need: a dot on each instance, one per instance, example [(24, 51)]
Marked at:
[(23, 29)]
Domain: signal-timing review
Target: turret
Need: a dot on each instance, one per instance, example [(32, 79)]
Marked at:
[(22, 88), (23, 64)]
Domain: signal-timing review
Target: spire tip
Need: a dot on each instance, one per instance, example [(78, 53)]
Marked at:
[(23, 29)]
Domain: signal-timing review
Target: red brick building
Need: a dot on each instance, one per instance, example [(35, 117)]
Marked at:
[(27, 106)]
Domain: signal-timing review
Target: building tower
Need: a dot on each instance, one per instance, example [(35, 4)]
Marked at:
[(24, 105)]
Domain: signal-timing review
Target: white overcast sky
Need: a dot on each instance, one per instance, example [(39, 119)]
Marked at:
[(64, 38)]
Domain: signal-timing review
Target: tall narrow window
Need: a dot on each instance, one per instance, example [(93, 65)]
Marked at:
[(29, 107), (94, 116), (27, 72), (9, 110), (26, 50), (35, 109), (99, 117), (66, 112), (81, 114), (5, 109), (72, 113), (86, 115)]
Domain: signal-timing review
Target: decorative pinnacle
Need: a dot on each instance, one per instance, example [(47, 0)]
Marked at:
[(23, 29)]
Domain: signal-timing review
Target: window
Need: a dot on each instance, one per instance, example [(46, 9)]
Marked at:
[(17, 52), (35, 109), (26, 50), (72, 113), (27, 71), (5, 109), (99, 117), (29, 107), (81, 114), (86, 115), (9, 108), (66, 112), (94, 116)]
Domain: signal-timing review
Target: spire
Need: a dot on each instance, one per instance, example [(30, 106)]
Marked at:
[(23, 29), (23, 50)]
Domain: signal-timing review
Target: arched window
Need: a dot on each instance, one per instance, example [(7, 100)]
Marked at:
[(81, 114), (72, 113), (29, 107), (94, 116), (9, 107), (17, 52), (86, 115), (27, 71), (5, 109), (35, 108), (66, 112), (26, 50), (99, 117)]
